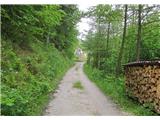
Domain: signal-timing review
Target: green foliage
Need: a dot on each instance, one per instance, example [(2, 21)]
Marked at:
[(47, 23), (20, 22), (151, 42), (67, 41), (104, 39), (103, 43), (27, 79), (114, 88), (50, 15), (32, 63)]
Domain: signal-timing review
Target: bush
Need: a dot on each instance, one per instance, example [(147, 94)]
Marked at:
[(28, 79)]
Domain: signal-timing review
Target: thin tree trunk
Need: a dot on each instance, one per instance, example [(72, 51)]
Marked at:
[(48, 39), (97, 52), (139, 33), (108, 35), (118, 67), (133, 19)]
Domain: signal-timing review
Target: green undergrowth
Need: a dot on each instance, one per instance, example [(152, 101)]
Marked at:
[(115, 88), (28, 74)]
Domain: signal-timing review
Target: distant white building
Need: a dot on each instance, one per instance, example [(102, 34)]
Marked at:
[(78, 52)]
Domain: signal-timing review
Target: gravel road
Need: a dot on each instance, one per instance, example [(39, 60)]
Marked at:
[(68, 100)]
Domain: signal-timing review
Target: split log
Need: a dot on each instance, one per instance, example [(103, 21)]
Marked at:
[(143, 82)]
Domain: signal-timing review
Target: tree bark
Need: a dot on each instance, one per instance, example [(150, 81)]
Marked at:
[(108, 35), (97, 52), (118, 67), (139, 33)]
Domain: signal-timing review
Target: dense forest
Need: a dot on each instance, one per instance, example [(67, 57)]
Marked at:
[(38, 44), (120, 34)]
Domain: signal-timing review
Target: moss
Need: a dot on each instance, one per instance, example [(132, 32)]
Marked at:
[(78, 85)]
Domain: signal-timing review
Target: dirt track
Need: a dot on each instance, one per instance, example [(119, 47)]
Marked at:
[(88, 101)]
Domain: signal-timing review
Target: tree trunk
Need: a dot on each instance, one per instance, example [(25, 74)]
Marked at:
[(97, 52), (108, 33), (118, 67), (133, 18), (139, 33), (48, 39)]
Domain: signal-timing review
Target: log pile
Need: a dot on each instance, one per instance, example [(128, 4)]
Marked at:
[(143, 83)]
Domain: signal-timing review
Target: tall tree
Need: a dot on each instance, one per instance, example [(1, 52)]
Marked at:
[(108, 35), (139, 32), (118, 67), (141, 23)]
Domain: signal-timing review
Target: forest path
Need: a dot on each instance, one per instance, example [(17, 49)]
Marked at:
[(89, 100)]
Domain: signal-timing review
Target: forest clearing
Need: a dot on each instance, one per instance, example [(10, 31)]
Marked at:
[(62, 60)]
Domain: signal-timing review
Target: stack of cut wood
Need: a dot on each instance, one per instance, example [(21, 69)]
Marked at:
[(143, 83)]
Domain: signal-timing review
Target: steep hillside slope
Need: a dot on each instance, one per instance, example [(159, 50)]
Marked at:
[(29, 74)]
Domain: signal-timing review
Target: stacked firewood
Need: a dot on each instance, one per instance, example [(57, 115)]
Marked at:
[(143, 83)]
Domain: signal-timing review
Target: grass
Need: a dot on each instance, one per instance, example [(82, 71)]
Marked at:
[(115, 88), (78, 85)]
